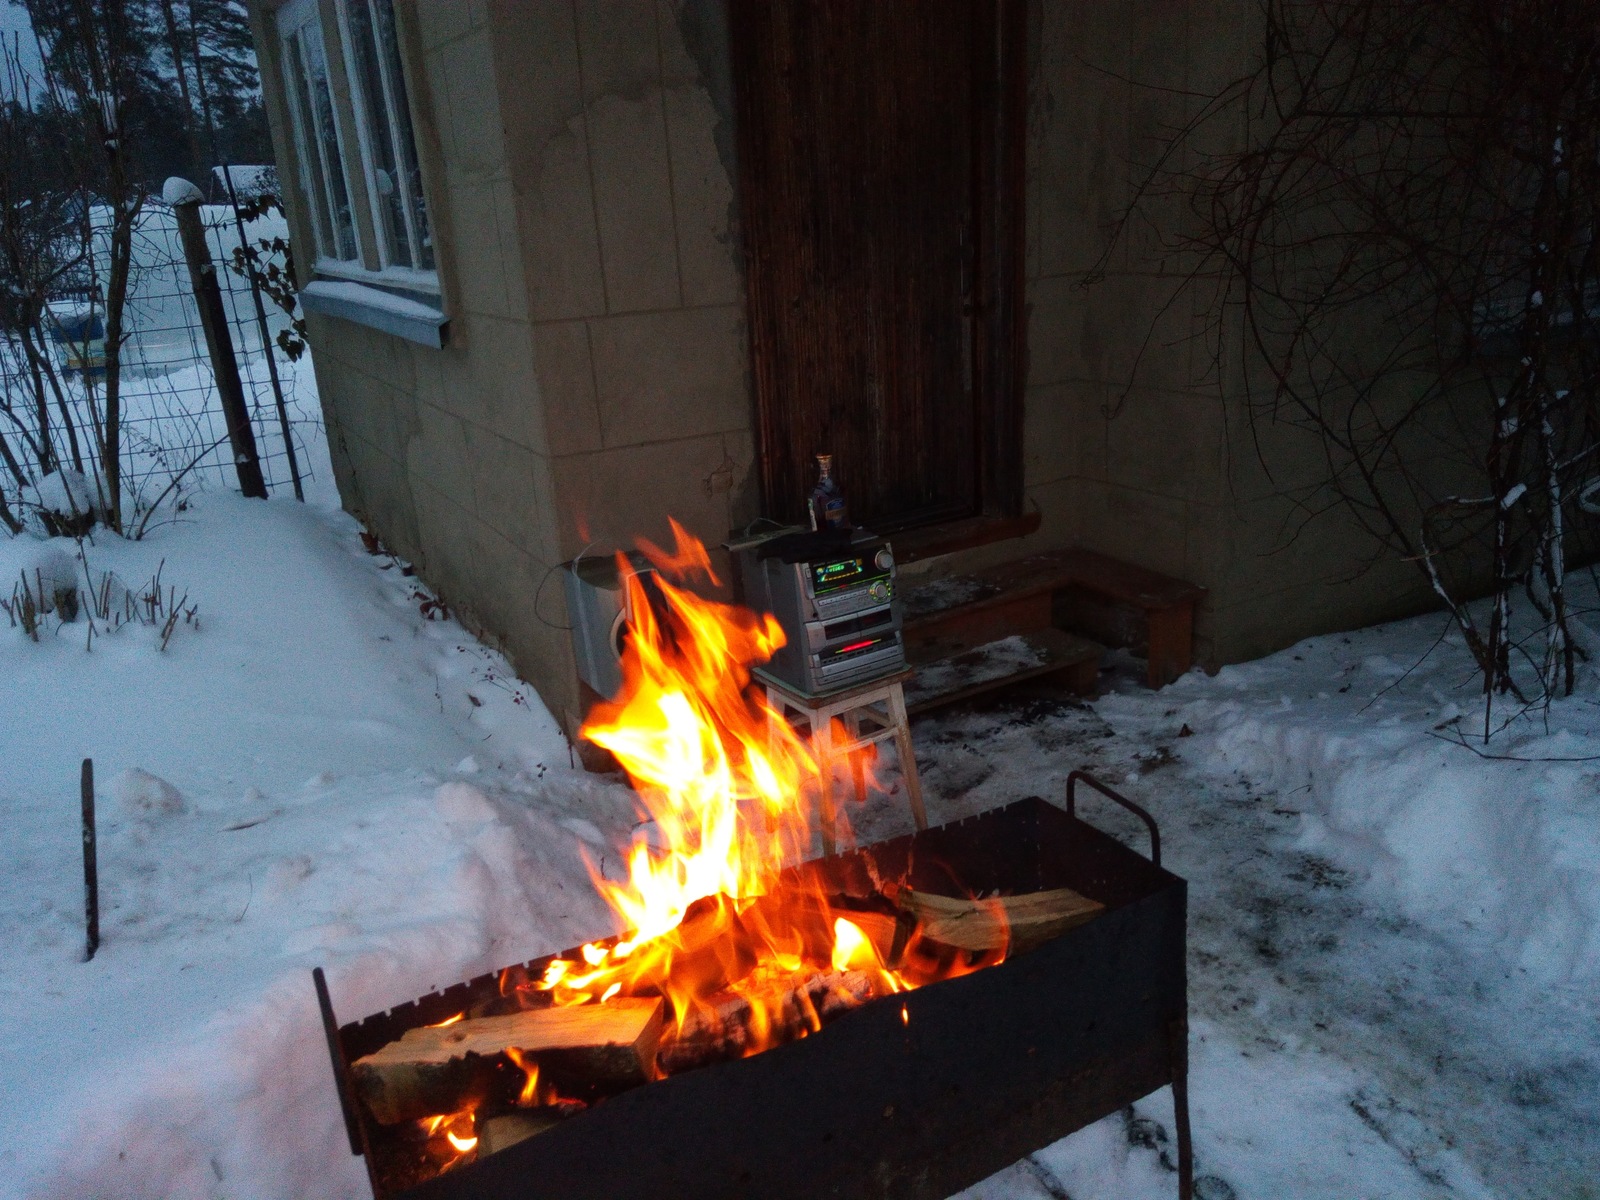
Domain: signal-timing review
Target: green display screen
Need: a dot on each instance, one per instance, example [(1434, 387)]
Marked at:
[(830, 575)]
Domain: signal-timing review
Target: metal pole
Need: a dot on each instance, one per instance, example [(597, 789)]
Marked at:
[(91, 868), (185, 200), (341, 1071), (266, 343)]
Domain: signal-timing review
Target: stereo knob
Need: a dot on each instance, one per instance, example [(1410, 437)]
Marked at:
[(878, 591), (885, 559)]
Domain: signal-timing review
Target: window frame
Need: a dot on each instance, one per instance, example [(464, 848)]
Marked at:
[(293, 20), (329, 291), (367, 134)]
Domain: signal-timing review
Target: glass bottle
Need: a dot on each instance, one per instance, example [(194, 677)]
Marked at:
[(827, 505)]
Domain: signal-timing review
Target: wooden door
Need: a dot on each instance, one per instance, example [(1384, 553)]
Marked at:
[(865, 130)]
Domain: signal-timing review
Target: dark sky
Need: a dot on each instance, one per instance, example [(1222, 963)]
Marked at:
[(14, 22)]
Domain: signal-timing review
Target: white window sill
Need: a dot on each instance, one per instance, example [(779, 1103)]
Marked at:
[(413, 320)]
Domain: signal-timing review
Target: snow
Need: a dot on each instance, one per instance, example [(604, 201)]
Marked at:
[(63, 493), (1394, 941), (248, 179), (178, 190), (295, 783), (370, 297)]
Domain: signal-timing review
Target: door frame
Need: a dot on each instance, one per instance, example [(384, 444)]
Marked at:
[(999, 330)]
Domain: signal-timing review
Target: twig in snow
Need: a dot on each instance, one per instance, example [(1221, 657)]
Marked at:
[(250, 880), (1458, 740), (1426, 654), (1045, 1178)]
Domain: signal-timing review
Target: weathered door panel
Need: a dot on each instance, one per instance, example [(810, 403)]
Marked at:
[(859, 134)]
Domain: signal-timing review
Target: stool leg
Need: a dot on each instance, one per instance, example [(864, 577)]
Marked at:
[(858, 767), (822, 747), (775, 712), (908, 760)]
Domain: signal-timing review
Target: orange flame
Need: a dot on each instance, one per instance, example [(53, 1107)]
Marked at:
[(458, 1129), (530, 1087), (725, 785)]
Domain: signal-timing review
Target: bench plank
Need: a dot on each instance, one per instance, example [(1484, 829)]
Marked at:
[(946, 617), (1001, 663)]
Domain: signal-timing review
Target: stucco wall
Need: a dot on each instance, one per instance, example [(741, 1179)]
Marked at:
[(617, 125), (580, 159), (1132, 447), (578, 162)]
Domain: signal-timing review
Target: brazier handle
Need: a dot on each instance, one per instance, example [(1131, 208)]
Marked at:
[(1149, 821)]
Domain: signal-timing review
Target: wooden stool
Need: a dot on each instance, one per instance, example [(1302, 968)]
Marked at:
[(872, 712)]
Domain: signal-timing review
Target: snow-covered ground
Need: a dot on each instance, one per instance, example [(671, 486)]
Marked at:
[(1394, 942), (1393, 955)]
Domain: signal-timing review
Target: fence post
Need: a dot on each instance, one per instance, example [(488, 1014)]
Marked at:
[(184, 198), (266, 342)]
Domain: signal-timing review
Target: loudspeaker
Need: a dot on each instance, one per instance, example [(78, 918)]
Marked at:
[(597, 606)]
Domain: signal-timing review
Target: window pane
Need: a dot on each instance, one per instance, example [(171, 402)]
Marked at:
[(404, 137), (311, 176), (389, 203), (327, 136)]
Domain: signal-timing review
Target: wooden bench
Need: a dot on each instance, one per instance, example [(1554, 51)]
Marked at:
[(1039, 653), (1112, 601)]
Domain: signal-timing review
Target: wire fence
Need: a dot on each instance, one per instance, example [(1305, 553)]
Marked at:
[(167, 360), (174, 429)]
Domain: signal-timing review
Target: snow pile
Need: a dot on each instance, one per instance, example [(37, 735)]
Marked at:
[(65, 494), (1500, 855), (320, 775)]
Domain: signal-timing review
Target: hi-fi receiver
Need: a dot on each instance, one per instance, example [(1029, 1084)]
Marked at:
[(834, 595)]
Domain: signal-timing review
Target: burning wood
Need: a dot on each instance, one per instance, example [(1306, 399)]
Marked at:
[(731, 953), (445, 1068), (499, 1132), (779, 1007), (1015, 922)]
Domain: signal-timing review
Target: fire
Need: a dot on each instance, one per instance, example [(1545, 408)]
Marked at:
[(744, 955), (726, 787), (458, 1129), (530, 1088), (721, 782)]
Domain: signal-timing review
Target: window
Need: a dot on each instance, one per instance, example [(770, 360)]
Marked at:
[(389, 150), (318, 145), (358, 167)]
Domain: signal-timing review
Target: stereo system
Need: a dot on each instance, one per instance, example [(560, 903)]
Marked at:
[(834, 595)]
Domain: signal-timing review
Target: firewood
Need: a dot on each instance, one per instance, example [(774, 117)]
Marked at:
[(497, 1133), (802, 922), (724, 1026), (444, 1068), (881, 929), (710, 947), (1020, 922)]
